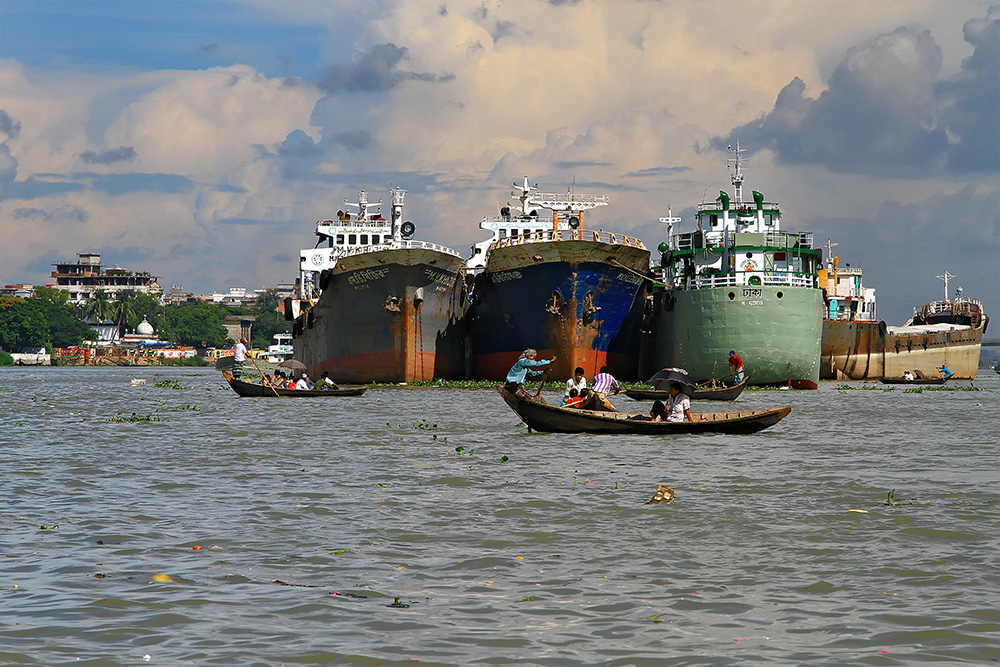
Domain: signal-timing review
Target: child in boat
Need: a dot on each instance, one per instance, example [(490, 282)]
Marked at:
[(574, 400)]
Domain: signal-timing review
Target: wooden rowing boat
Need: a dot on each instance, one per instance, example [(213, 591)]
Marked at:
[(701, 393), (540, 416), (913, 381), (252, 389)]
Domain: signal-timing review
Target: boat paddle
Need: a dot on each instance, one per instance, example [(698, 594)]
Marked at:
[(542, 383), (263, 377)]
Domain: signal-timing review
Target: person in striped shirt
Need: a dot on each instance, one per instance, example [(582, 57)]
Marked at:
[(604, 382)]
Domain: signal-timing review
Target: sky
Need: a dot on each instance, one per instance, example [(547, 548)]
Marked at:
[(202, 140)]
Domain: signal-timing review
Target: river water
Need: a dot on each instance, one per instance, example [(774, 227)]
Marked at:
[(427, 525)]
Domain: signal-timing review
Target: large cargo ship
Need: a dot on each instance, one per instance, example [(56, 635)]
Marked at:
[(374, 305), (857, 346), (547, 282), (738, 282)]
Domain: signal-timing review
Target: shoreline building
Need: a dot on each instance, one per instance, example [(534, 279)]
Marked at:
[(85, 276)]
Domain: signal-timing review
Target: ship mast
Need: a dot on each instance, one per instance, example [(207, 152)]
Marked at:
[(945, 278), (736, 164)]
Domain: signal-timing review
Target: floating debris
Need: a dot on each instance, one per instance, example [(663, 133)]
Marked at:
[(398, 605), (138, 381), (664, 494)]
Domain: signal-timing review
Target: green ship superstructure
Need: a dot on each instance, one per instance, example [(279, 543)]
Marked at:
[(738, 282)]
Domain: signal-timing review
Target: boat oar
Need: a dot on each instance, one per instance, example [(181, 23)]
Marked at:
[(542, 383), (263, 377)]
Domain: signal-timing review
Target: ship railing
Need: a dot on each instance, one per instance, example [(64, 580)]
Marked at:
[(422, 245), (570, 235), (742, 279), (728, 239)]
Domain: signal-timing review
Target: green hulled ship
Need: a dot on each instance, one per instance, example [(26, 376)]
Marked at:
[(738, 282)]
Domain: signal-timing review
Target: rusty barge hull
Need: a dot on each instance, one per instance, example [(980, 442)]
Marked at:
[(387, 316), (871, 350), (578, 300)]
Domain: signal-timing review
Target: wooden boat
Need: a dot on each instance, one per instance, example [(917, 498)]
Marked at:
[(541, 416), (913, 381), (252, 389), (729, 393)]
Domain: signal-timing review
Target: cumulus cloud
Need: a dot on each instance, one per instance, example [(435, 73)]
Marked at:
[(886, 112), (61, 214), (373, 70), (109, 156)]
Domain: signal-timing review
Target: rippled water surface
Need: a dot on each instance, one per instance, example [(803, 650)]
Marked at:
[(427, 525)]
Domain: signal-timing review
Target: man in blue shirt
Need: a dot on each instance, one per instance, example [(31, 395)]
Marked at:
[(522, 367), (947, 373)]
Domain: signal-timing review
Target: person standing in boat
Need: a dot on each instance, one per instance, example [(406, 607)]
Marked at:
[(578, 382), (605, 381), (678, 405), (736, 366), (239, 356), (523, 367), (944, 369)]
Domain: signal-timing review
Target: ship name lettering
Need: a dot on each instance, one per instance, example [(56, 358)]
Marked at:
[(364, 275), (437, 276), (506, 276), (747, 293)]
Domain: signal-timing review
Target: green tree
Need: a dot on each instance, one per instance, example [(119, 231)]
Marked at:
[(53, 295), (98, 307), (22, 323), (123, 309), (148, 306), (65, 326), (269, 321), (195, 323)]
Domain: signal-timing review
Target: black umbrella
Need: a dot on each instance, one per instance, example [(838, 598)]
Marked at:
[(666, 377), (294, 364)]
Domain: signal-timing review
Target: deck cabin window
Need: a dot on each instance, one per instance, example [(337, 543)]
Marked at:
[(375, 239), (768, 219), (503, 233), (779, 257), (364, 239), (714, 219), (340, 239), (513, 232), (352, 239)]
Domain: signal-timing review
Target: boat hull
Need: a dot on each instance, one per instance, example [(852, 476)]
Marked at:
[(702, 394), (540, 416), (776, 331), (252, 390), (387, 316), (871, 350), (579, 301)]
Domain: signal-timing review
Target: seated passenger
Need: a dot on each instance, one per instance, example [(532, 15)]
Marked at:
[(304, 382), (325, 382), (678, 405), (574, 400)]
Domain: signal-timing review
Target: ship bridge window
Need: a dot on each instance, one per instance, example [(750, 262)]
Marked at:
[(768, 219), (714, 219), (503, 233), (340, 239), (375, 239), (364, 239), (352, 239), (513, 232), (779, 257)]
